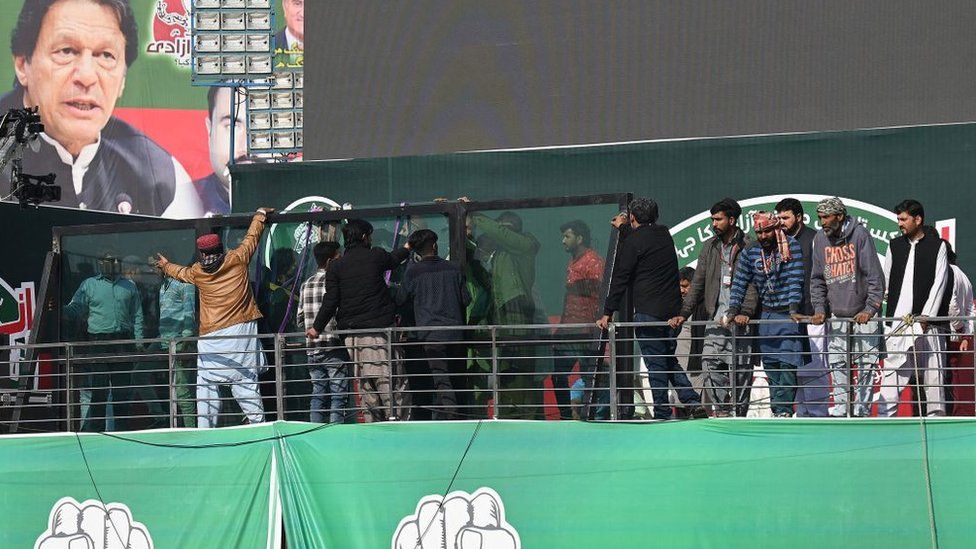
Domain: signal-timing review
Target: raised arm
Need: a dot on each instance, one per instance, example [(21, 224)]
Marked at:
[(250, 242), (506, 238)]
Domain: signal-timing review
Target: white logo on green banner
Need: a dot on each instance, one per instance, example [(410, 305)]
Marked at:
[(92, 524), (458, 520), (295, 239)]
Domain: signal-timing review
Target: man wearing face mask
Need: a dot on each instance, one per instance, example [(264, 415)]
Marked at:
[(847, 282), (231, 354), (114, 312), (711, 288), (775, 266)]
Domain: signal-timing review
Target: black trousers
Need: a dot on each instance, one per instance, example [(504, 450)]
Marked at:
[(446, 364), (102, 377)]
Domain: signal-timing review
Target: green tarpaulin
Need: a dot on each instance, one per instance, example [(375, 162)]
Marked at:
[(711, 483)]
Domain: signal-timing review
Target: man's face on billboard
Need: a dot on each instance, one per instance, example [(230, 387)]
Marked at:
[(218, 126), (76, 73), (295, 17)]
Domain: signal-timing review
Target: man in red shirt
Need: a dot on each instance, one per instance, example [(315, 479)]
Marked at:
[(584, 277)]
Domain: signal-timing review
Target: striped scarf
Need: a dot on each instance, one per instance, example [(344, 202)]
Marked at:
[(764, 220)]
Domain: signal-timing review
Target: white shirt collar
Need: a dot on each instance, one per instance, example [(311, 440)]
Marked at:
[(292, 39), (79, 166)]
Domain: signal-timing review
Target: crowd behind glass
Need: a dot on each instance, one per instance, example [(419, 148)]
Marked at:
[(404, 334)]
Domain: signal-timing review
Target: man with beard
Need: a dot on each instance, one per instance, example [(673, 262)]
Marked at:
[(919, 282), (847, 282), (581, 305), (775, 266), (812, 380), (711, 287)]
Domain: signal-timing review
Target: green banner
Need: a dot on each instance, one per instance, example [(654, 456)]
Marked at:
[(499, 484), (740, 483), (176, 489)]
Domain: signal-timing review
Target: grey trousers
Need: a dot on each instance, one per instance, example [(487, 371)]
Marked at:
[(381, 383)]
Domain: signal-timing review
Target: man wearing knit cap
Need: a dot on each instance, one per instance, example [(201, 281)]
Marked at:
[(230, 352), (775, 266), (847, 282)]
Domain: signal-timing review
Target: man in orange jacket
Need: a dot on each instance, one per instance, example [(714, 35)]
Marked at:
[(231, 352)]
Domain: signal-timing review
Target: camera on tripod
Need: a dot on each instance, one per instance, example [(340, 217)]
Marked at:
[(19, 129)]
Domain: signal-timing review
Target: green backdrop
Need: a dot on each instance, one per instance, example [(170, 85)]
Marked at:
[(934, 164)]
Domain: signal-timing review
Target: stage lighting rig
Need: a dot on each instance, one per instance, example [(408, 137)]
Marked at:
[(21, 128)]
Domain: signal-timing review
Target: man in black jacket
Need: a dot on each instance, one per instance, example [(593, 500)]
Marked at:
[(437, 290), (359, 298), (647, 264)]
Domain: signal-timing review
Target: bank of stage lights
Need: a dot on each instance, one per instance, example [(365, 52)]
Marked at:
[(231, 40), (274, 115), (233, 44), (19, 129)]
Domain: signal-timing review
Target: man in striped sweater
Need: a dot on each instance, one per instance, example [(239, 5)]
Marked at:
[(775, 267)]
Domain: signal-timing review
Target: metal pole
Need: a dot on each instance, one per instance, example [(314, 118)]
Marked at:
[(733, 373), (391, 411), (612, 342), (494, 373), (67, 370), (848, 332), (279, 379), (171, 356)]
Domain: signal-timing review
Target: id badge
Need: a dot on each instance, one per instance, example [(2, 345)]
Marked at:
[(727, 280)]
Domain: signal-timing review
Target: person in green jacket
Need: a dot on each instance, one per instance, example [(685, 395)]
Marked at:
[(512, 255)]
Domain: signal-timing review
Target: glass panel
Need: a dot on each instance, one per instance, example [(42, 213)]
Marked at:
[(109, 291), (84, 258), (284, 260), (544, 262), (543, 265)]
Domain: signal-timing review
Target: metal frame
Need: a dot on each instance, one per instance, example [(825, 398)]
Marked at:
[(456, 213)]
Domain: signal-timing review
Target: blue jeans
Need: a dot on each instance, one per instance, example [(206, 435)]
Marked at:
[(330, 385), (657, 344)]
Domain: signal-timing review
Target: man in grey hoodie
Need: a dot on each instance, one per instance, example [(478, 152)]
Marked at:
[(847, 281)]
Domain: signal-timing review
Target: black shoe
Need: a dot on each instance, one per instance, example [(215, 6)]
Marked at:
[(698, 412)]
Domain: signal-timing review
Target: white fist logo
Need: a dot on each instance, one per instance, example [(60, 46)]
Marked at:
[(464, 521), (92, 525)]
